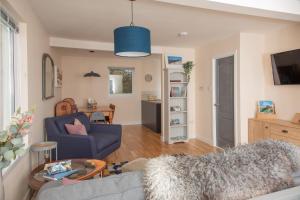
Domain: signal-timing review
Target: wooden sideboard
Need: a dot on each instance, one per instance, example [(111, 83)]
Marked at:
[(260, 129)]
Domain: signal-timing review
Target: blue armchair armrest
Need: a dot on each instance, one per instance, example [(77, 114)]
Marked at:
[(76, 146), (108, 128)]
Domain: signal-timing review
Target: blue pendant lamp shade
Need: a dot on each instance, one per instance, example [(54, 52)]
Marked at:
[(132, 41)]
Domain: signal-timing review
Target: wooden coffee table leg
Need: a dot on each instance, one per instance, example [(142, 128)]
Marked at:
[(31, 193)]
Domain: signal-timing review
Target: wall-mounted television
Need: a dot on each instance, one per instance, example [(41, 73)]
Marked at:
[(286, 67)]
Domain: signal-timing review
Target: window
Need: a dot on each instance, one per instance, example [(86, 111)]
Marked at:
[(8, 31), (120, 80)]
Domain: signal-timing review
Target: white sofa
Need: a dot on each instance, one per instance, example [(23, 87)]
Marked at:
[(288, 194)]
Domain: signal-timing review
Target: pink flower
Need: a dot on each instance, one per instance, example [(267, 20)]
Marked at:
[(29, 118), (21, 121)]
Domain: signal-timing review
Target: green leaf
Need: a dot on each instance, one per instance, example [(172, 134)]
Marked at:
[(17, 141), (20, 152), (13, 129), (3, 137), (4, 164), (9, 155), (3, 150), (26, 125), (18, 111), (18, 146)]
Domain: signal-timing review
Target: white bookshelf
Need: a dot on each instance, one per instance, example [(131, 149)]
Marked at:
[(176, 105)]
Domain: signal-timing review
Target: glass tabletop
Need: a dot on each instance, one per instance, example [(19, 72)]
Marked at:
[(82, 166)]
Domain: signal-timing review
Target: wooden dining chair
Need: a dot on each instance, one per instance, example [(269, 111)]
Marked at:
[(63, 108), (113, 107), (97, 117), (73, 104)]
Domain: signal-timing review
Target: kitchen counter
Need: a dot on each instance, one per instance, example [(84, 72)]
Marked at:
[(151, 115)]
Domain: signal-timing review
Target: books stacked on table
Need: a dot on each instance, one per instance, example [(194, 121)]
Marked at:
[(58, 170)]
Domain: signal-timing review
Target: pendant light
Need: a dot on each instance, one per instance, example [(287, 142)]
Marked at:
[(132, 41)]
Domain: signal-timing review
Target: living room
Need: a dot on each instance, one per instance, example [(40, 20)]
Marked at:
[(78, 36)]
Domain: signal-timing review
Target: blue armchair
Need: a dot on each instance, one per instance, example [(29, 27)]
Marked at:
[(102, 139)]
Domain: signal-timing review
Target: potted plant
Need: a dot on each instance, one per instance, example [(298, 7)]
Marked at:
[(187, 67), (11, 141)]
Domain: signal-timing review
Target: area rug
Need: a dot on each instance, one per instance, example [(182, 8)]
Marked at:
[(113, 168)]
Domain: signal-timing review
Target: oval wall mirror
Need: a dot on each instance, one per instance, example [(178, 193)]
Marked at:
[(48, 77)]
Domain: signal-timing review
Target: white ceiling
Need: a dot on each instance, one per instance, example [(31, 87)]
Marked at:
[(95, 20)]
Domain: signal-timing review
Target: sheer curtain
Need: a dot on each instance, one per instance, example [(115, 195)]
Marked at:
[(7, 74)]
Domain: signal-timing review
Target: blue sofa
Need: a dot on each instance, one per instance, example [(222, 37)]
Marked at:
[(102, 139)]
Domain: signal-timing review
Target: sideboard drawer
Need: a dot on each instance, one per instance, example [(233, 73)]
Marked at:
[(274, 129), (280, 137), (285, 131)]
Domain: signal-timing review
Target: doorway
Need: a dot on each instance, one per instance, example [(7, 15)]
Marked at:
[(224, 102)]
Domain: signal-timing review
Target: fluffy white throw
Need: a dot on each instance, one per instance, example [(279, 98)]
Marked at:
[(235, 174)]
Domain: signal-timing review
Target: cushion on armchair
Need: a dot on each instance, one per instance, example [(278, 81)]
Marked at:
[(77, 128), (70, 119)]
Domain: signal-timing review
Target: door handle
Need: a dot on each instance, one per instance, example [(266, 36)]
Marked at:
[(216, 104)]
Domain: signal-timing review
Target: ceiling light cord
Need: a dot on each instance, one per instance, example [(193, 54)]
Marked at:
[(131, 24)]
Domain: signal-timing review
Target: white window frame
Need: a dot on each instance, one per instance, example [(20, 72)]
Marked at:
[(20, 78), (133, 81)]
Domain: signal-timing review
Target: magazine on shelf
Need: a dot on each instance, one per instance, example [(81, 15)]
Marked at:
[(175, 92)]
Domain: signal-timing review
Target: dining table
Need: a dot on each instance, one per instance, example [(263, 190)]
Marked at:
[(106, 110)]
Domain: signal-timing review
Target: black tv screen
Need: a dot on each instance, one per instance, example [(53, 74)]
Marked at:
[(286, 67)]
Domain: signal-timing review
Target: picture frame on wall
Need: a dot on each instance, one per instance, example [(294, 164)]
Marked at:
[(58, 77), (173, 61)]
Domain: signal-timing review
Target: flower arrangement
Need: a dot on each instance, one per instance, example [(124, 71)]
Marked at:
[(187, 67), (11, 140)]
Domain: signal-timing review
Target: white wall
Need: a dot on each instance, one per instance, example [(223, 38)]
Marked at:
[(286, 97), (75, 63), (255, 81), (251, 79), (204, 74), (16, 179)]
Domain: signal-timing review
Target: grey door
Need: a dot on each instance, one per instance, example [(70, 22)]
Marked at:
[(225, 102)]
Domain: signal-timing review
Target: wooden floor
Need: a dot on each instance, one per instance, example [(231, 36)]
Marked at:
[(138, 141)]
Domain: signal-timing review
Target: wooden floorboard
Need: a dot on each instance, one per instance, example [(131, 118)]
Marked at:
[(139, 141)]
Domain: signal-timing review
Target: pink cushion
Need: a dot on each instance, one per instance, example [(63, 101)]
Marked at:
[(76, 129)]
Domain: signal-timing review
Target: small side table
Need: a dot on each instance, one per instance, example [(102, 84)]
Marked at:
[(46, 148), (86, 171)]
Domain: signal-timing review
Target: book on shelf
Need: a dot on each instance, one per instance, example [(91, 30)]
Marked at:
[(178, 92), (175, 92), (175, 81)]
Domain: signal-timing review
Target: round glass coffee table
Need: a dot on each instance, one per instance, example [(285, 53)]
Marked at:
[(87, 169)]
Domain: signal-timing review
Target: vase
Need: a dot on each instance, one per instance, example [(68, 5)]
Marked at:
[(2, 192)]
